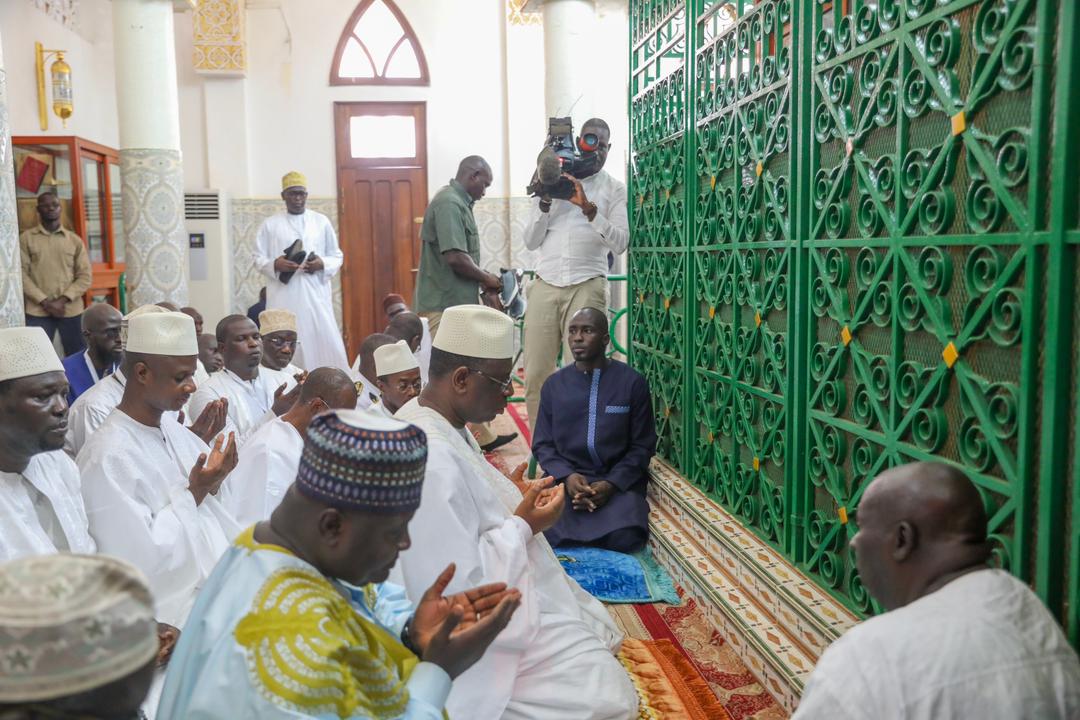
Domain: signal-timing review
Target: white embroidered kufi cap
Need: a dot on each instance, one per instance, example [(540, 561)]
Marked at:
[(141, 310), (475, 331), (70, 624), (394, 358), (26, 351), (167, 333), (272, 321)]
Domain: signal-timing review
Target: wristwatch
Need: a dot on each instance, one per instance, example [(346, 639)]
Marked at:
[(406, 638)]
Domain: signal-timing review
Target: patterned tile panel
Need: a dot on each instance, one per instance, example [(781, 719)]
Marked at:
[(11, 300), (220, 41)]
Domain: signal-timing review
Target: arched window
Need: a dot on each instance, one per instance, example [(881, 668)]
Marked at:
[(378, 47)]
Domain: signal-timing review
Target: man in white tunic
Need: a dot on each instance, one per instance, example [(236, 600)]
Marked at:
[(556, 658), (307, 292), (397, 376), (40, 503), (279, 336), (90, 410), (958, 639), (254, 398), (363, 369), (150, 484), (269, 459)]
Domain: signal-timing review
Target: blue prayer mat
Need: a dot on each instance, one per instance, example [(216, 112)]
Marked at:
[(615, 577)]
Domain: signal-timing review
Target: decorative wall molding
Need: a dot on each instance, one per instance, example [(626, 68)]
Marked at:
[(65, 12), (152, 189), (516, 15), (777, 619), (220, 39), (11, 297)]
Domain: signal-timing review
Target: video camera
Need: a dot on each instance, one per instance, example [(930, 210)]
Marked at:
[(562, 155)]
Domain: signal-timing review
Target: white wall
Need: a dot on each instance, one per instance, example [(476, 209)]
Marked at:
[(90, 54)]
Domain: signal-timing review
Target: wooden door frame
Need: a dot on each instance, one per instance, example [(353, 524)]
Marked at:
[(343, 110)]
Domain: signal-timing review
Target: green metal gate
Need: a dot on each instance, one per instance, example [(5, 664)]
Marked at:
[(854, 229)]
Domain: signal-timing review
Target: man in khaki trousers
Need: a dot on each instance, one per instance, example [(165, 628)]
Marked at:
[(574, 238)]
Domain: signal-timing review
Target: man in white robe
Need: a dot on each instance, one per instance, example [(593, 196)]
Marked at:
[(363, 369), (279, 336), (307, 293), (254, 398), (40, 503), (959, 639), (556, 659), (150, 484), (269, 459)]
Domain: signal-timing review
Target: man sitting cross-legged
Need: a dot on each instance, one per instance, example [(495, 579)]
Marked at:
[(270, 457), (958, 639), (40, 503), (149, 483), (398, 376), (595, 433), (556, 659), (297, 621)]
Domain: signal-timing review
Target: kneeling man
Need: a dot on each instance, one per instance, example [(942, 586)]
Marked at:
[(595, 432)]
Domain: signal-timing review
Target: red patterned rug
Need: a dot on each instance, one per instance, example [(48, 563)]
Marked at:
[(678, 639)]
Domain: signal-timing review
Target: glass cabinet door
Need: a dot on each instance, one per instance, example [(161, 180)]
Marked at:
[(117, 213), (93, 205)]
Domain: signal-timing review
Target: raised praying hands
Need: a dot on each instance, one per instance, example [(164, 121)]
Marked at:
[(542, 504), (211, 420), (453, 632), (210, 471), (285, 400)]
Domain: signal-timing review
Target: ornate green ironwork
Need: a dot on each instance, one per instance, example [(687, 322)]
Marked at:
[(854, 228)]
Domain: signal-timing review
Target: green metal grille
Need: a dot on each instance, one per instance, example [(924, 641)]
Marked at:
[(854, 228)]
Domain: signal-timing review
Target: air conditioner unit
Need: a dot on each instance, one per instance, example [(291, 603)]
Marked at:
[(206, 216)]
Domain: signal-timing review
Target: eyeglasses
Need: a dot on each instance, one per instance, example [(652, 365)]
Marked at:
[(279, 343), (504, 385)]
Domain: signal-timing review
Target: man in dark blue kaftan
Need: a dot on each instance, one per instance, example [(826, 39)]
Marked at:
[(596, 434)]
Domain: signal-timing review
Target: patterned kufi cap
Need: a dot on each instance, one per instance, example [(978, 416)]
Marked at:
[(272, 321), (475, 331), (293, 179), (70, 624), (26, 351), (357, 460)]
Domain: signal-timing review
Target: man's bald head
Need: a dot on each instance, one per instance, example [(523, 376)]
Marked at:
[(99, 314), (474, 174), (407, 326), (196, 317), (919, 525), (367, 353), (598, 318), (101, 325), (330, 385)]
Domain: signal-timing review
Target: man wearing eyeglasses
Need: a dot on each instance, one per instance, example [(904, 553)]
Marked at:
[(574, 238), (279, 334), (103, 352)]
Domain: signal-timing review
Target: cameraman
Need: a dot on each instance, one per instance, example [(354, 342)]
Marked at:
[(574, 238)]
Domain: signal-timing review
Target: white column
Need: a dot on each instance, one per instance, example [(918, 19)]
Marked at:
[(11, 297), (569, 45), (150, 164)]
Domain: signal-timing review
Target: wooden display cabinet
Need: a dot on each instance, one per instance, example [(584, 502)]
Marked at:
[(86, 176)]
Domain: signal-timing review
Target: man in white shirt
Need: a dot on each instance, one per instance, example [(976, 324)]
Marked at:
[(150, 485), (398, 376), (574, 238), (556, 659), (279, 336), (307, 292), (40, 503), (253, 398), (363, 369), (269, 459), (958, 639)]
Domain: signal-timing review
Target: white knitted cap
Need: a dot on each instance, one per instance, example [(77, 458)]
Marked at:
[(26, 351), (141, 310), (272, 321), (475, 331), (167, 333), (394, 358)]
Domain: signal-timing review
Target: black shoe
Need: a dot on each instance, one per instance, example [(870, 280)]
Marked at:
[(498, 442)]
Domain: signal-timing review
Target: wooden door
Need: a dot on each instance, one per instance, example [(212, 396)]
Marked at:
[(381, 202)]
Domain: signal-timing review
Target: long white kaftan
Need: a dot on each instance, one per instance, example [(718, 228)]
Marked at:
[(272, 638), (251, 402), (266, 468), (135, 484), (90, 410), (555, 660), (307, 295), (42, 509)]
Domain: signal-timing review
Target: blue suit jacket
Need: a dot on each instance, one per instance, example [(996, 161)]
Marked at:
[(78, 374)]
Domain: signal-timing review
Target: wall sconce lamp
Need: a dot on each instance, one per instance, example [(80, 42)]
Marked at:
[(61, 85)]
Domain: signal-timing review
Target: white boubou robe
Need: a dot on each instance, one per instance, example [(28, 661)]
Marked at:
[(135, 485), (251, 402), (266, 468), (91, 409), (307, 295), (556, 658), (43, 509), (423, 353)]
